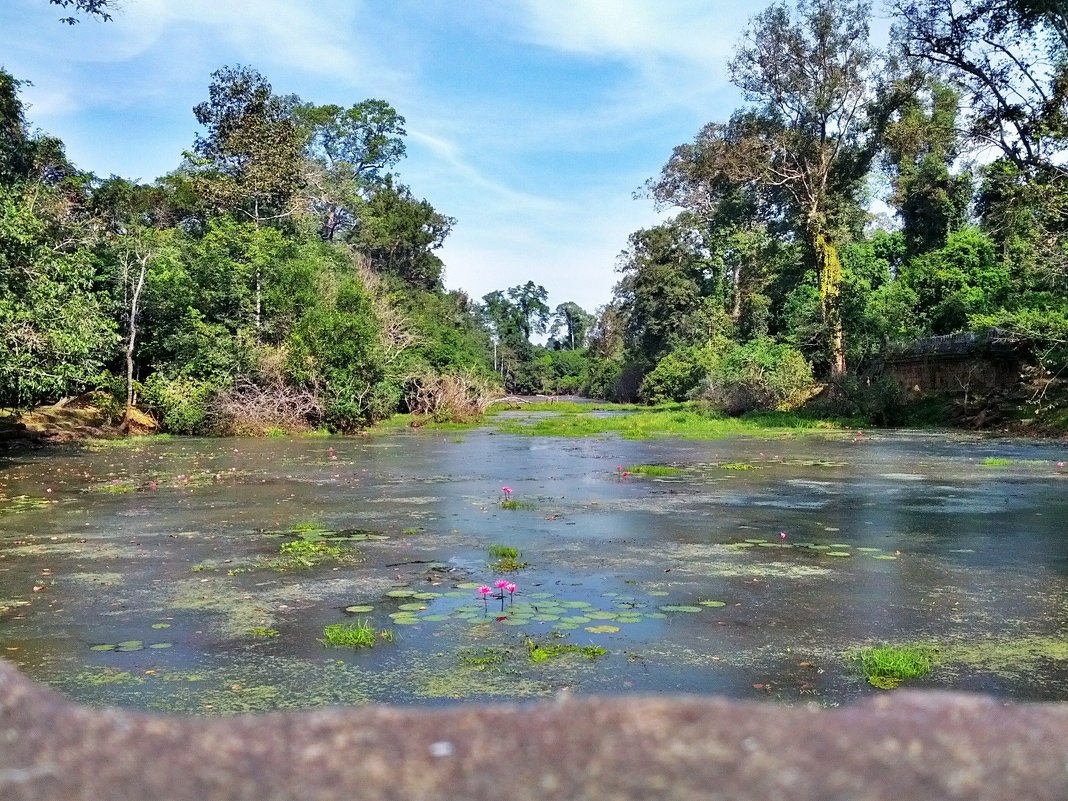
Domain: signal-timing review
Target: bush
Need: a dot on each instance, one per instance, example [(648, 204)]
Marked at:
[(757, 375), (455, 398), (677, 375), (180, 403)]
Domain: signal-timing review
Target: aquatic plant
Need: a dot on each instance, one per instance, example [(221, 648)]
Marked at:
[(505, 559), (653, 470), (484, 592), (542, 652), (736, 466), (484, 659), (354, 635), (996, 461), (887, 666), (263, 631)]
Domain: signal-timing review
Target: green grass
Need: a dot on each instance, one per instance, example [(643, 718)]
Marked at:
[(996, 461), (889, 665), (302, 554), (354, 635), (307, 525), (503, 552), (505, 559), (675, 421), (653, 470), (541, 652), (563, 407), (511, 503), (736, 466)]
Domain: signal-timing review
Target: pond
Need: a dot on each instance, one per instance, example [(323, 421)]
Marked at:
[(162, 575)]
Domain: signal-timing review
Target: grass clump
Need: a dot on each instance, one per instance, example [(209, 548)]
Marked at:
[(354, 635), (263, 631), (996, 461), (303, 554), (543, 652), (653, 470), (505, 559), (887, 666)]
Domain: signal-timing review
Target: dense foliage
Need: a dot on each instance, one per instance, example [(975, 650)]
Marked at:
[(279, 277), (282, 276)]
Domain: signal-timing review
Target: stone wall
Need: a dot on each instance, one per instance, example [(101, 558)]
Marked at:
[(952, 374), (903, 746)]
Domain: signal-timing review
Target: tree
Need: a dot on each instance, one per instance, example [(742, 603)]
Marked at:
[(1009, 58), (399, 234), (349, 154), (92, 8), (921, 146), (816, 128), (529, 300), (573, 322), (251, 150)]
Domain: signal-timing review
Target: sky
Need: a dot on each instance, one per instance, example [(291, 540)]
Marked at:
[(532, 122)]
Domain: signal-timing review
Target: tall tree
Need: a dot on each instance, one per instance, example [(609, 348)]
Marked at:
[(815, 130), (529, 299), (350, 152), (570, 325)]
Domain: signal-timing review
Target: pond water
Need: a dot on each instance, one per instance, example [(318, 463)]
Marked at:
[(150, 575)]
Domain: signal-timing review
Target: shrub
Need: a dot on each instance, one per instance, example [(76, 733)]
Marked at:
[(181, 403), (677, 375), (757, 375)]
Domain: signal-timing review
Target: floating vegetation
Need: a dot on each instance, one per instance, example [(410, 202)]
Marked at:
[(653, 470), (354, 635), (511, 503), (712, 604), (505, 559), (127, 646), (412, 531), (263, 631), (303, 554), (887, 666), (22, 503), (679, 608), (602, 629), (736, 466), (996, 461), (543, 652), (483, 659), (359, 609)]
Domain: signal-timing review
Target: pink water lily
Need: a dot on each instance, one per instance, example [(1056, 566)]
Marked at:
[(506, 490), (501, 584), (484, 590), (511, 588)]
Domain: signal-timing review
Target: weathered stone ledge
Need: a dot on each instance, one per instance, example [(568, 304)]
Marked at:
[(900, 746)]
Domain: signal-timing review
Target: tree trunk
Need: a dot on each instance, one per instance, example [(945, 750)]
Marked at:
[(736, 307), (829, 271), (132, 339)]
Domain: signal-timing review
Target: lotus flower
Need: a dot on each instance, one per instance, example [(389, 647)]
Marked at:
[(484, 591), (501, 584)]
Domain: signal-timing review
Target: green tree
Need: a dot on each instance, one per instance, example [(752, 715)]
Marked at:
[(570, 326)]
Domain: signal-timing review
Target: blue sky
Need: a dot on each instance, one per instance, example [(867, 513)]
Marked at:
[(530, 121)]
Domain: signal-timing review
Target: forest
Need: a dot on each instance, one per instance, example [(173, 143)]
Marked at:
[(282, 277)]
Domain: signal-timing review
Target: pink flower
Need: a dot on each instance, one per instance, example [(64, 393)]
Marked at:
[(626, 473), (511, 588), (501, 584), (1060, 465), (506, 490), (782, 536), (484, 590)]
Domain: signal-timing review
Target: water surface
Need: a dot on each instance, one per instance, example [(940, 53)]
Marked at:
[(164, 552)]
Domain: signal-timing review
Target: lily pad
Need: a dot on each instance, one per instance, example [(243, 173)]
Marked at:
[(679, 608), (602, 629), (595, 614), (401, 594), (412, 607), (886, 556), (426, 596), (713, 604), (161, 645), (869, 550), (467, 585), (359, 608), (838, 553), (103, 647), (161, 625), (658, 593), (435, 618)]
